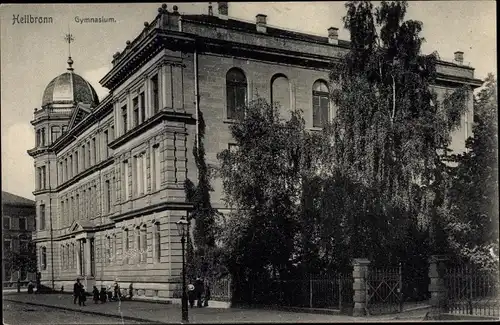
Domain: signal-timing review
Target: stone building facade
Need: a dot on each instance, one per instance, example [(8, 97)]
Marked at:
[(110, 174), (18, 224)]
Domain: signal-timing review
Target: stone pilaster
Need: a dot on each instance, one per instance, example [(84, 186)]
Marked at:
[(437, 288), (359, 274)]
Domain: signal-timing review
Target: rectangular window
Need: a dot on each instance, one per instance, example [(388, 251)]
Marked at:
[(144, 173), (138, 178), (138, 247), (142, 106), (107, 194), (7, 244), (154, 94), (76, 163), (108, 250), (42, 178), (64, 129), (135, 107), (22, 223), (106, 142), (84, 208), (42, 216), (125, 252), (55, 133), (44, 258), (63, 216), (83, 158), (89, 160), (144, 245), (77, 206), (126, 184), (66, 169), (72, 210), (124, 119), (67, 209), (6, 223), (70, 167), (157, 238), (94, 151), (156, 168)]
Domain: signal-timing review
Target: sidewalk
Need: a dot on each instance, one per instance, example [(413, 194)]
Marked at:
[(154, 312)]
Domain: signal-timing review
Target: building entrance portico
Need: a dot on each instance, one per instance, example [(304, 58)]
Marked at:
[(83, 234)]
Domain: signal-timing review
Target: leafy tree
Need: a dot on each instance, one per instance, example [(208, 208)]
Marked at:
[(381, 151), (472, 216), (262, 181)]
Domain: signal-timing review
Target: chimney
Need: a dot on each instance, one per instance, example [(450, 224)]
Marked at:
[(333, 35), (261, 23), (459, 57), (222, 8)]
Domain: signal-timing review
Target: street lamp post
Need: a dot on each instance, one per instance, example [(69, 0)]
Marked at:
[(182, 227)]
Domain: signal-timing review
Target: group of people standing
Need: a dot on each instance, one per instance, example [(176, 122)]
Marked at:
[(199, 291), (98, 296)]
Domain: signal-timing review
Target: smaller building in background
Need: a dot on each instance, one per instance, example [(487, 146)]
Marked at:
[(18, 251)]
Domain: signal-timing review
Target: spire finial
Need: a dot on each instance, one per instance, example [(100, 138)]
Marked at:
[(69, 38)]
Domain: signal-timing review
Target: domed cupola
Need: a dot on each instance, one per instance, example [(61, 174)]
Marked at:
[(69, 89)]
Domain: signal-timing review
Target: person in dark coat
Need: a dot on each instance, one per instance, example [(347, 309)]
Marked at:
[(116, 291), (83, 296), (30, 287), (198, 287), (207, 294), (76, 291), (103, 295), (95, 293)]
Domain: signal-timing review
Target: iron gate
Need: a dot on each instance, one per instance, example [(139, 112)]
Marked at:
[(383, 288)]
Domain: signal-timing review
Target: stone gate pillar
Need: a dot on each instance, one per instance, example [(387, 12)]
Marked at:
[(437, 288), (359, 273)]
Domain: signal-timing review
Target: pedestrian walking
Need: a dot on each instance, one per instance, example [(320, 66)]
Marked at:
[(207, 294), (103, 295), (95, 293), (76, 291), (18, 285), (116, 291), (83, 296), (191, 295), (198, 287)]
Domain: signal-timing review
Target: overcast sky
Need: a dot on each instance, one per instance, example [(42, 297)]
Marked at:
[(32, 55)]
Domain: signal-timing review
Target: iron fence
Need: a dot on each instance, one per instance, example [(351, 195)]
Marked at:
[(471, 291), (330, 291)]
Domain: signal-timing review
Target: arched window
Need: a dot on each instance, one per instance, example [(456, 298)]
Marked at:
[(321, 104), (43, 261), (236, 94), (280, 94)]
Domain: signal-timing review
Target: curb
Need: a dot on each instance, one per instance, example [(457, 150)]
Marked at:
[(137, 319)]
